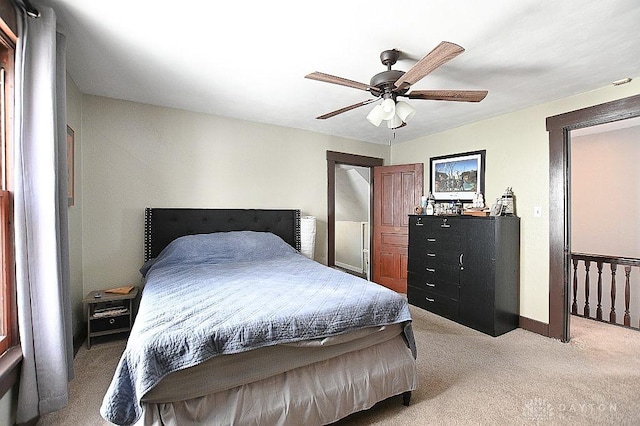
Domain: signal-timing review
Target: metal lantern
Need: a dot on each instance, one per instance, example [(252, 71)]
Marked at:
[(509, 202)]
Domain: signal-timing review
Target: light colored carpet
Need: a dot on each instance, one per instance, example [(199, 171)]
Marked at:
[(465, 378)]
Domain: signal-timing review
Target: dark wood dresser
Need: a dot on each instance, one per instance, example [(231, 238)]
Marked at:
[(467, 269)]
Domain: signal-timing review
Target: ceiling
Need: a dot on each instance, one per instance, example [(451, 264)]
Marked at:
[(248, 61)]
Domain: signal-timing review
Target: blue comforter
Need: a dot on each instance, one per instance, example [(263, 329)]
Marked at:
[(224, 293)]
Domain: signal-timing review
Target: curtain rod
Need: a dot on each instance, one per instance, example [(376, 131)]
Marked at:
[(30, 9)]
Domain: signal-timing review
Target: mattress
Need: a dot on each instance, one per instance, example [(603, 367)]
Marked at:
[(228, 371), (316, 394)]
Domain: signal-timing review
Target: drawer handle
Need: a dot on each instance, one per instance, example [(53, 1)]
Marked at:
[(430, 269), (431, 240), (430, 285), (431, 255), (112, 321), (419, 223), (430, 300), (445, 225)]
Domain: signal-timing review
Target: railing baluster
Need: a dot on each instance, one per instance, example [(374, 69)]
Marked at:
[(574, 305), (587, 310), (599, 309), (612, 314), (627, 263), (627, 296)]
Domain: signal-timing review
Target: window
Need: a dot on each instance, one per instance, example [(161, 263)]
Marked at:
[(6, 282), (9, 351), (6, 296), (6, 260)]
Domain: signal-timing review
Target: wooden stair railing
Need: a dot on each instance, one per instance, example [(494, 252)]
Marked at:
[(627, 263)]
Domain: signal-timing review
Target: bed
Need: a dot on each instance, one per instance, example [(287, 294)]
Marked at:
[(235, 326)]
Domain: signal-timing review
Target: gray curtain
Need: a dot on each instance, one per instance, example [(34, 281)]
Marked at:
[(40, 200)]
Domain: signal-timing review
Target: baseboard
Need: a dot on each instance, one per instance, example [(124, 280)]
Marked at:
[(348, 267), (534, 326)]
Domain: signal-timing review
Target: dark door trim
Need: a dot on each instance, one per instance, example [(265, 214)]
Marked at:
[(559, 127), (334, 158)]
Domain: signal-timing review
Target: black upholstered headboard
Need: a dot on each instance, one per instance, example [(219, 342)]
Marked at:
[(163, 225)]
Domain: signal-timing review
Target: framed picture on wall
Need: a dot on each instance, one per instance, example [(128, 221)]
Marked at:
[(457, 176), (70, 166)]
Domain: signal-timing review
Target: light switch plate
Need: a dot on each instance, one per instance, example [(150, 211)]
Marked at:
[(537, 211)]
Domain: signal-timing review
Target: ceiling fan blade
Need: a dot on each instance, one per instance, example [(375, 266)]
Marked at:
[(327, 78), (442, 53), (345, 109), (449, 95)]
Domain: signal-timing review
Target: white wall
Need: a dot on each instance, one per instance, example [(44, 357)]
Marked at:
[(517, 147), (349, 245), (605, 213), (605, 193), (136, 156), (352, 193)]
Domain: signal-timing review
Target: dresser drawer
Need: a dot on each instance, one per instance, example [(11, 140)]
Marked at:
[(418, 224), (431, 257), (447, 242), (434, 285), (434, 222), (432, 302), (430, 240), (434, 270)]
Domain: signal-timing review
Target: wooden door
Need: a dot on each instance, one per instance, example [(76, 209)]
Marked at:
[(396, 193)]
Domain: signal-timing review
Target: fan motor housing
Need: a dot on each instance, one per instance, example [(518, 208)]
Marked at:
[(386, 80)]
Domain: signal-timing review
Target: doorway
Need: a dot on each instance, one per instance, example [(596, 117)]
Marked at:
[(352, 213), (343, 161), (605, 221), (559, 128)]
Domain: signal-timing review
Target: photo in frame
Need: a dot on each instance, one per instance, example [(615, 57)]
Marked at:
[(458, 176), (70, 166)]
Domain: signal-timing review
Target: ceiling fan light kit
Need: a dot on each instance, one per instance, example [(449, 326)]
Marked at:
[(388, 109), (396, 114), (390, 84), (376, 115), (404, 111), (394, 122)]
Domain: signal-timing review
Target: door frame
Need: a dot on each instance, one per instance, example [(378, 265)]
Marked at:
[(559, 127), (334, 158)]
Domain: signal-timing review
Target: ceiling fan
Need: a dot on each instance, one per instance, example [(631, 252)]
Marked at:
[(391, 84)]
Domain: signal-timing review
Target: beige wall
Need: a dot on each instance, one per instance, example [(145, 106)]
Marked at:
[(136, 155), (74, 119), (517, 148)]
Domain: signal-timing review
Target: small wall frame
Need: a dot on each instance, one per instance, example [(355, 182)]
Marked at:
[(70, 166)]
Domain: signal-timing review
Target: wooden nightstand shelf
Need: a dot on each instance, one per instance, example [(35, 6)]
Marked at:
[(109, 313)]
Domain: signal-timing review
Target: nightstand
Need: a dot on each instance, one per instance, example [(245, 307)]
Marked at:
[(109, 313)]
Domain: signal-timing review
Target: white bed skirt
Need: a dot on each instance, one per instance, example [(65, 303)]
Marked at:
[(317, 394)]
